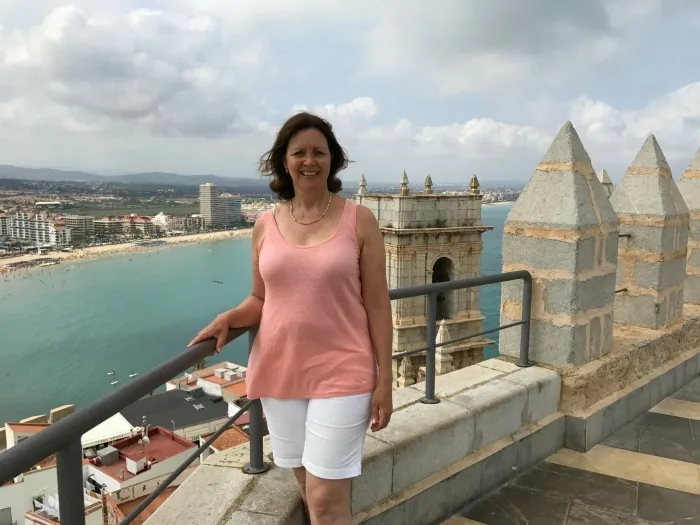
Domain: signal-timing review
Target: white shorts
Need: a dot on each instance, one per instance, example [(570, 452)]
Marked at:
[(325, 436)]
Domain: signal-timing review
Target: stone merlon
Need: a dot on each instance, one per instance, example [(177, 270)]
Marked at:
[(563, 230), (604, 179), (689, 187), (652, 258)]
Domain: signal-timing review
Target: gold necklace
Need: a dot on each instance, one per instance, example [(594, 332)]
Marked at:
[(328, 207)]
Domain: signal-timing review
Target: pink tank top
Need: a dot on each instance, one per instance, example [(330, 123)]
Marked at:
[(313, 340)]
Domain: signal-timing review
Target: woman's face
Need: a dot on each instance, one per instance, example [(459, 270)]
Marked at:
[(308, 159)]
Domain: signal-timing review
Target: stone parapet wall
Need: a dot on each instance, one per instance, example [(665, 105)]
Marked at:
[(493, 420), (599, 255), (637, 353)]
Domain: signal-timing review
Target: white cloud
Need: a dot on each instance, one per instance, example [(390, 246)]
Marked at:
[(164, 85)]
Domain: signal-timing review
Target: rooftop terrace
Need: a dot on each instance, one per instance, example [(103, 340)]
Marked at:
[(570, 424)]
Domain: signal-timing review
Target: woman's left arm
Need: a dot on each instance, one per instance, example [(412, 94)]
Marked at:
[(375, 295)]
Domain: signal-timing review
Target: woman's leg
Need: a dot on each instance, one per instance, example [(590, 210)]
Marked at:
[(335, 437), (286, 422)]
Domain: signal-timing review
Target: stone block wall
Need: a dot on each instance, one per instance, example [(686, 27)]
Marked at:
[(652, 258), (689, 187), (564, 231), (417, 211)]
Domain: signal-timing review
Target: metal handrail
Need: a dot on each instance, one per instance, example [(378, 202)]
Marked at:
[(63, 437), (432, 291)]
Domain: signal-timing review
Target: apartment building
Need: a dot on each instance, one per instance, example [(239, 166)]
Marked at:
[(231, 208), (40, 229), (219, 210), (82, 227), (109, 227), (5, 226), (209, 207)]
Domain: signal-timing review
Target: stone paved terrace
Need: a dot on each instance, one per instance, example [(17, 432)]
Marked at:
[(648, 472)]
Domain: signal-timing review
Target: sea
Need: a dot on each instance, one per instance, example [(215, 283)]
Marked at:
[(68, 331)]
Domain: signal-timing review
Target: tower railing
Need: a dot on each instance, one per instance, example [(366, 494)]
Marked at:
[(64, 437)]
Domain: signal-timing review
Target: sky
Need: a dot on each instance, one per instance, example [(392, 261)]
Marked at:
[(448, 88)]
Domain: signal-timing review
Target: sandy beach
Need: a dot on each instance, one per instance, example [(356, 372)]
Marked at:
[(9, 264)]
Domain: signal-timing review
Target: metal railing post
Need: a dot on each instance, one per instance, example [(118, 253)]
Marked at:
[(257, 463), (69, 473), (524, 360), (430, 332)]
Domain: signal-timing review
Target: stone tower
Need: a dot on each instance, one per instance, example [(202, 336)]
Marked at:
[(431, 238)]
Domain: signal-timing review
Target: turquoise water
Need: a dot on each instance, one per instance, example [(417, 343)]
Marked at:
[(64, 327)]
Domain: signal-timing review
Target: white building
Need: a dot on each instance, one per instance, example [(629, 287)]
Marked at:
[(39, 229), (133, 467), (31, 497), (209, 207)]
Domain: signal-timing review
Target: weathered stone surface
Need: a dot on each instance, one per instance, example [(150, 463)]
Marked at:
[(208, 495), (543, 391), (689, 186), (564, 231), (500, 408), (427, 438), (375, 483), (605, 181), (637, 353), (651, 261)]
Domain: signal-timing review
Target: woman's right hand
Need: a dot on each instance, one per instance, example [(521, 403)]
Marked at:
[(217, 329)]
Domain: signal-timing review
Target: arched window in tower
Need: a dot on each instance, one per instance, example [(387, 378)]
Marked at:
[(443, 271)]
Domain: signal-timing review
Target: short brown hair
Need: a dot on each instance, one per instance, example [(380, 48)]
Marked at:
[(272, 162)]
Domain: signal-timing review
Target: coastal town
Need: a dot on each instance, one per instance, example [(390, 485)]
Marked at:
[(38, 233), (45, 222)]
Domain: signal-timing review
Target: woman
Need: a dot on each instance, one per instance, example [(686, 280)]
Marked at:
[(321, 361)]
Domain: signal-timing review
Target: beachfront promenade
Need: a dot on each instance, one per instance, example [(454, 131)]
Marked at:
[(602, 428)]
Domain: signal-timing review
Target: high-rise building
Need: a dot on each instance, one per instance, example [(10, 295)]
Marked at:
[(219, 210), (231, 208), (209, 207)]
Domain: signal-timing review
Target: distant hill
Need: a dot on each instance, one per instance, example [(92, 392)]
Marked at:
[(47, 174)]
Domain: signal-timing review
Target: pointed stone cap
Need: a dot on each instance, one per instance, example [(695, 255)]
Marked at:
[(474, 186), (689, 185), (404, 184), (362, 190), (648, 187), (406, 368), (604, 179), (650, 160), (428, 185), (443, 335), (564, 192)]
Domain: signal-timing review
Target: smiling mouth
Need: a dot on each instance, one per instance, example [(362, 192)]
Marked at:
[(309, 173)]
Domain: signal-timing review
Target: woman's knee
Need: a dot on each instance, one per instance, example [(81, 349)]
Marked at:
[(327, 497)]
